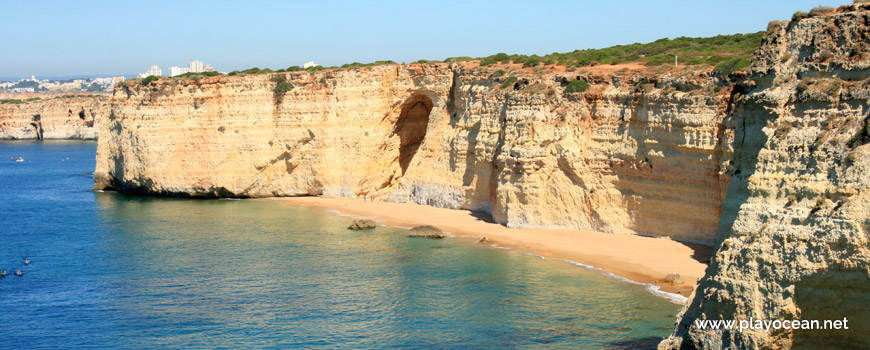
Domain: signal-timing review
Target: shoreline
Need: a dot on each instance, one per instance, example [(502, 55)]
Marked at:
[(631, 258)]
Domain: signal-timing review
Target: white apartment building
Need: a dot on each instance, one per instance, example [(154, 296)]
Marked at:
[(173, 71), (192, 67), (309, 64), (195, 66), (154, 70)]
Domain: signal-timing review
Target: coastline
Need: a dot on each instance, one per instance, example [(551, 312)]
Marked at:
[(639, 259)]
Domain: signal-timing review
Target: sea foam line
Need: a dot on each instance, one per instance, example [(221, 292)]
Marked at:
[(651, 288)]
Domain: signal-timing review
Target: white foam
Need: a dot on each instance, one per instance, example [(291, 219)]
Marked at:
[(651, 288)]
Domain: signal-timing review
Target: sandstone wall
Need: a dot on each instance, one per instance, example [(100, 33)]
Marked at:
[(54, 118), (622, 157), (792, 242)]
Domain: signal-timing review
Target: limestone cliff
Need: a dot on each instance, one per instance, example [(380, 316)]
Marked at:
[(54, 118), (792, 242), (634, 153)]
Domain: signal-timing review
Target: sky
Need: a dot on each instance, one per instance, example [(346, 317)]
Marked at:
[(67, 38)]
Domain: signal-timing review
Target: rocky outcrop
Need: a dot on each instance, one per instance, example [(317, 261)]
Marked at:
[(793, 238), (632, 154), (362, 224), (426, 231), (54, 118)]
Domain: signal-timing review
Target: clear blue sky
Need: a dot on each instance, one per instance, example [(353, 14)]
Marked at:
[(56, 38)]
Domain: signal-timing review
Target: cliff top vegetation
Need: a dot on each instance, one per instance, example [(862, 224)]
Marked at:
[(726, 53)]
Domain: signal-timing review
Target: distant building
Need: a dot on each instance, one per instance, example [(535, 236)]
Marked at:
[(310, 64), (154, 70), (173, 71), (192, 67), (195, 66)]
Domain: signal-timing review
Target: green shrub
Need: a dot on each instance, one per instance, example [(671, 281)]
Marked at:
[(820, 10), (532, 62), (281, 88), (458, 59), (732, 65), (578, 85), (772, 27), (498, 73), (197, 75), (508, 82), (254, 70), (149, 79), (797, 16)]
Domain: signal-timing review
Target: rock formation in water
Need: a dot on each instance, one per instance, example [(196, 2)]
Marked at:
[(54, 118), (426, 231), (362, 224), (633, 154), (792, 242)]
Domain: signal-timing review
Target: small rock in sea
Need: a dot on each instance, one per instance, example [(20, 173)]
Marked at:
[(481, 240), (427, 231), (362, 224), (672, 278)]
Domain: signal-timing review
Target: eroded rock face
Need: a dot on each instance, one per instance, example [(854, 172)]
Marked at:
[(622, 157), (792, 242), (54, 118)]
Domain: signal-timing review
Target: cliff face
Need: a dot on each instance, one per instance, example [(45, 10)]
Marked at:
[(625, 156), (56, 118), (792, 241), (632, 154)]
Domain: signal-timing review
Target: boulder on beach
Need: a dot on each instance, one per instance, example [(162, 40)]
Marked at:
[(427, 231), (672, 278), (362, 224)]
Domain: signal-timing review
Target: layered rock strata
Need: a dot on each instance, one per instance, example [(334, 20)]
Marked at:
[(651, 154), (54, 118), (793, 238), (632, 154)]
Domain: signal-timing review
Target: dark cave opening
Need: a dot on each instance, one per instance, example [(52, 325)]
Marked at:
[(411, 127)]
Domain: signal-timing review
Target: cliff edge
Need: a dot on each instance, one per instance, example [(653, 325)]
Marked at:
[(53, 118), (792, 242)]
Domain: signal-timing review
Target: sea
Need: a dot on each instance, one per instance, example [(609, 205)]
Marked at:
[(109, 271)]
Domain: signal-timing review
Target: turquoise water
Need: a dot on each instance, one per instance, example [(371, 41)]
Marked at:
[(116, 272)]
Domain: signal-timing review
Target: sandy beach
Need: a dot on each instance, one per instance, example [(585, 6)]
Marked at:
[(637, 258)]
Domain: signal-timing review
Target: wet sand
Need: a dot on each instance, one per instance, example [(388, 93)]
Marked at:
[(637, 258)]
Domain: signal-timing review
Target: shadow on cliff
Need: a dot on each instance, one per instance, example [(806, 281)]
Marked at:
[(700, 252), (750, 120), (834, 295), (411, 127)]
